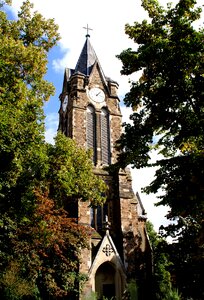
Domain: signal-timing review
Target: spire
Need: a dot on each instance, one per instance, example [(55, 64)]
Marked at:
[(86, 59)]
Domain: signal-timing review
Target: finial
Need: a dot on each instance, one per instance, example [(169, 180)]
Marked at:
[(87, 29), (107, 224)]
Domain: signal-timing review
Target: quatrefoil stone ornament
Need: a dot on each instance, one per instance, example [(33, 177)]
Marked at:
[(107, 250)]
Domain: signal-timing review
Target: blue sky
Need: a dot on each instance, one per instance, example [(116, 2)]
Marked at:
[(107, 18)]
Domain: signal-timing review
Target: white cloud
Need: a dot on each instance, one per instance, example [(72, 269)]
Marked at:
[(108, 19), (142, 178), (51, 125), (126, 112)]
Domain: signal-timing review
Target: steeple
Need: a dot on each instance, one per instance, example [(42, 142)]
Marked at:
[(86, 63), (90, 114), (86, 59)]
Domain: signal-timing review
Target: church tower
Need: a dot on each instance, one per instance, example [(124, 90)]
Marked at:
[(119, 248)]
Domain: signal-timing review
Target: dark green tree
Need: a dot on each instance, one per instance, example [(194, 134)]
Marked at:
[(24, 45), (187, 256), (40, 253), (169, 116), (40, 243), (162, 283), (70, 176)]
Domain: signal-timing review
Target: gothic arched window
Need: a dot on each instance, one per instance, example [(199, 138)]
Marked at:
[(91, 130), (105, 137), (98, 215)]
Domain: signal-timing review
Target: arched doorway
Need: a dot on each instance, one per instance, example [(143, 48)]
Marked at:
[(105, 281)]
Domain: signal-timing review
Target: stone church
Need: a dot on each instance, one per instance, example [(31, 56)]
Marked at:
[(119, 254)]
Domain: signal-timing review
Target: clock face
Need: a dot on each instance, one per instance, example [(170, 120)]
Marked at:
[(96, 94)]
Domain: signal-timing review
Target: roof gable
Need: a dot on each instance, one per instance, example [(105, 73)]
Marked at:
[(86, 59), (107, 252), (97, 72)]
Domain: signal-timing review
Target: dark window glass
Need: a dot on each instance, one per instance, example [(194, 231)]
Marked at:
[(97, 215), (105, 136), (91, 131)]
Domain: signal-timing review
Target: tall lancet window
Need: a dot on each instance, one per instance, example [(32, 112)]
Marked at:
[(91, 130), (105, 137), (98, 215)]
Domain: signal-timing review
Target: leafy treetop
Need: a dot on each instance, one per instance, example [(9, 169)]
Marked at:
[(169, 117), (168, 102)]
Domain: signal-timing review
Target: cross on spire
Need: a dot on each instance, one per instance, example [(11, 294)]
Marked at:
[(87, 29)]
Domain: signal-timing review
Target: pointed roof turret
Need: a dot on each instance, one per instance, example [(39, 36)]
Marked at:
[(86, 59)]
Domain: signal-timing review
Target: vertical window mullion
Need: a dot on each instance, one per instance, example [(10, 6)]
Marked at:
[(91, 131), (105, 137)]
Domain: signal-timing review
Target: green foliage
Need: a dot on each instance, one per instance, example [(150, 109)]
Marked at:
[(15, 287), (91, 296), (162, 285), (132, 290), (169, 116), (8, 2), (173, 295), (24, 44), (170, 90), (40, 243), (71, 173), (43, 253), (187, 256)]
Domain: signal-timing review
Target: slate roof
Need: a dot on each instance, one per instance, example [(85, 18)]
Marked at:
[(86, 62), (86, 59)]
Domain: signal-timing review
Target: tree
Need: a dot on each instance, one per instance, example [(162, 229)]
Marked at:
[(44, 253), (162, 283), (24, 45), (169, 111), (39, 241), (70, 175), (41, 244), (186, 255)]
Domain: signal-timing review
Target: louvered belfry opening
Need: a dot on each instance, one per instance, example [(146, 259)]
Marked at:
[(105, 137), (91, 131)]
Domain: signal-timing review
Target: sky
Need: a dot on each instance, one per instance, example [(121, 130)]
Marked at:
[(107, 19)]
